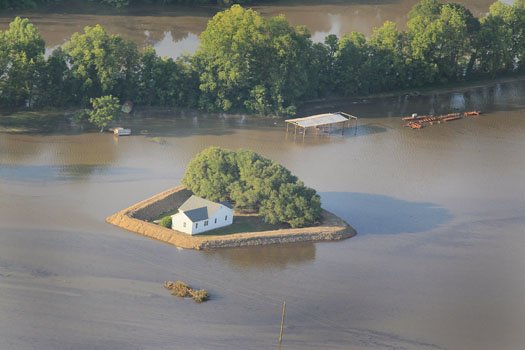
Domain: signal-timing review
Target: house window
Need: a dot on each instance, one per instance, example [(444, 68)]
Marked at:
[(206, 223), (215, 220), (196, 225), (184, 224), (226, 218)]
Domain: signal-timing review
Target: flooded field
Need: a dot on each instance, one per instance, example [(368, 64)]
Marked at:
[(174, 31), (437, 264)]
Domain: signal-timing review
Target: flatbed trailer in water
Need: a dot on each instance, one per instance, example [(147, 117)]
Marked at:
[(419, 122)]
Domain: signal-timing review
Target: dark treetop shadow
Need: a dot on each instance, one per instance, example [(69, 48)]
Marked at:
[(373, 214)]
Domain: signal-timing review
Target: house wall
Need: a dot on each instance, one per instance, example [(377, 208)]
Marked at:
[(177, 223), (224, 217)]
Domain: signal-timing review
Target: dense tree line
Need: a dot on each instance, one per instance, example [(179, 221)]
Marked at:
[(263, 65), (24, 4), (253, 183)]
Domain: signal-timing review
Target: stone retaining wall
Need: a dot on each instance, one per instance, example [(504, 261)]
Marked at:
[(135, 218)]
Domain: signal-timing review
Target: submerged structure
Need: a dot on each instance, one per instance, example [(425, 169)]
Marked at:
[(322, 123)]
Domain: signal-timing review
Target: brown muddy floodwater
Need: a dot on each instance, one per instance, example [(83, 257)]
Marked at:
[(438, 262), (174, 30)]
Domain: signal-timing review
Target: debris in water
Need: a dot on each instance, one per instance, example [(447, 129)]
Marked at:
[(183, 290)]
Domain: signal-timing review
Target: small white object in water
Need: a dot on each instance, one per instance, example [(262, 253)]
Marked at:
[(121, 131)]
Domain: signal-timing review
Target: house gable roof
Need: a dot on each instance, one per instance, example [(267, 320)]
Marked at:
[(198, 209)]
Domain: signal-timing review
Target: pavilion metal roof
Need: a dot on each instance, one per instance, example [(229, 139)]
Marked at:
[(318, 120)]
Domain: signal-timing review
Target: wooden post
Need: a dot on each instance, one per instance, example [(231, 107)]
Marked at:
[(287, 127), (282, 323), (304, 133)]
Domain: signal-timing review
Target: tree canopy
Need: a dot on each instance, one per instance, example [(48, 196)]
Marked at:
[(105, 109), (253, 182), (249, 63), (21, 57), (101, 63)]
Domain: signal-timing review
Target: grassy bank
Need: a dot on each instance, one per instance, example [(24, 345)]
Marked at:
[(33, 121), (244, 224)]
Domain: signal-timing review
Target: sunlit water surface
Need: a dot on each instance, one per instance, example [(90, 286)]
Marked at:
[(438, 262)]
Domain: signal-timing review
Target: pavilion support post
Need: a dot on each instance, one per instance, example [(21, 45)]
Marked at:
[(287, 124), (304, 133)]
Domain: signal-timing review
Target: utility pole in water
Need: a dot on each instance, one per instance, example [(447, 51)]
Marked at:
[(282, 323)]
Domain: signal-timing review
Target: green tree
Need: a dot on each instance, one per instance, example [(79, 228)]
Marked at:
[(210, 173), (55, 81), (442, 37), (350, 57), (166, 82), (102, 64), (248, 62), (294, 204), (518, 33), (255, 183), (494, 41), (502, 48), (166, 221), (21, 58), (321, 71), (387, 61), (105, 109), (250, 189)]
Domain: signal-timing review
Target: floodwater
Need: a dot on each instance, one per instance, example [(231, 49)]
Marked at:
[(438, 262), (173, 30)]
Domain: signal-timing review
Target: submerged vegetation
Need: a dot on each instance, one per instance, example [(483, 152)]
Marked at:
[(253, 183), (246, 62)]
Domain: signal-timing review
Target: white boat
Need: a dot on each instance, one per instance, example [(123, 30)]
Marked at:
[(121, 131)]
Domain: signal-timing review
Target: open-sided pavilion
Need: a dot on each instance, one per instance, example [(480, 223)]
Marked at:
[(322, 123)]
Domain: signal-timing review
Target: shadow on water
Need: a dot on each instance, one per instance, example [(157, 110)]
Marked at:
[(373, 214), (270, 256), (485, 96), (336, 136)]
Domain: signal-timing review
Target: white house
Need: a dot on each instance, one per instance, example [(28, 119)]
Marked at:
[(198, 215)]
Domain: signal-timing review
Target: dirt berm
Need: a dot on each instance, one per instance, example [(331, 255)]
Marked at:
[(137, 218)]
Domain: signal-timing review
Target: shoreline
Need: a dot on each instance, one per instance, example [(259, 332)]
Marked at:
[(136, 218), (415, 91), (20, 121)]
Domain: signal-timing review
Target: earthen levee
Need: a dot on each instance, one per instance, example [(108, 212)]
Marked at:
[(137, 217)]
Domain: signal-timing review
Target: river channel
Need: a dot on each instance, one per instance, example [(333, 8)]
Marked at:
[(437, 263)]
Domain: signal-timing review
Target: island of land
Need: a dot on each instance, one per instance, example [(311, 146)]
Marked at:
[(138, 218)]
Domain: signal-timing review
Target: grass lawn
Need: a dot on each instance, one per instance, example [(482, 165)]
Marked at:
[(242, 224), (31, 121)]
